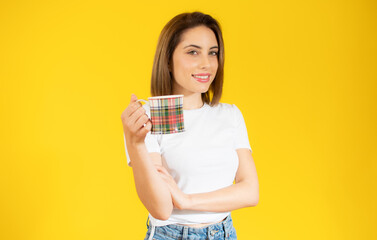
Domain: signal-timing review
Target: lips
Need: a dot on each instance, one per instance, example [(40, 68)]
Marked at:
[(201, 77)]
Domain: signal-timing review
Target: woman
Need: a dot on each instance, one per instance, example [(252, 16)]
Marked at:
[(185, 180)]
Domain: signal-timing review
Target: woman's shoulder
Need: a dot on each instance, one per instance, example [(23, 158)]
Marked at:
[(225, 109), (225, 106)]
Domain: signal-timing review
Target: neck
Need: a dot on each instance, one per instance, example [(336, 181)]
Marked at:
[(192, 101)]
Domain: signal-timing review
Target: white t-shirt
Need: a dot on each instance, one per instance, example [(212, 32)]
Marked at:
[(203, 158)]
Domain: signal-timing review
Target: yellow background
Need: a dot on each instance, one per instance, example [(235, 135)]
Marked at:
[(303, 74)]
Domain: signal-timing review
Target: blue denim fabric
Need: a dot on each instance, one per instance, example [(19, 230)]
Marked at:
[(222, 230)]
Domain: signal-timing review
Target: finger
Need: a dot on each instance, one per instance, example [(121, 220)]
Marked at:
[(164, 177), (167, 177), (143, 119), (132, 107), (165, 174), (160, 169), (164, 170), (133, 98), (136, 115), (157, 165), (144, 128), (147, 127)]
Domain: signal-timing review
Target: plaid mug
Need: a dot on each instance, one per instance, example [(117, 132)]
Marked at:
[(166, 113)]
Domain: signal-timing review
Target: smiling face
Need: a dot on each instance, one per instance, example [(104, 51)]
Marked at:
[(194, 61)]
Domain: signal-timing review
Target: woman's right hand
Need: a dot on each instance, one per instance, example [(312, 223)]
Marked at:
[(133, 119)]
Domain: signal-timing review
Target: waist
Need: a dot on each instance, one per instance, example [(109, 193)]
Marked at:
[(201, 224), (189, 218)]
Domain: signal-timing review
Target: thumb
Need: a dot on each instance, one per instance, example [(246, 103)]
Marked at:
[(133, 98)]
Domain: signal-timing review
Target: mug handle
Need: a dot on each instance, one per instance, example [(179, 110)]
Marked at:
[(142, 100)]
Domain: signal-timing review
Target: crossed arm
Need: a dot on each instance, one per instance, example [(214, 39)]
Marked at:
[(244, 193), (160, 195)]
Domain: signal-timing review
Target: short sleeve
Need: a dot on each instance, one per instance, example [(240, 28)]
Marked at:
[(241, 139), (151, 141)]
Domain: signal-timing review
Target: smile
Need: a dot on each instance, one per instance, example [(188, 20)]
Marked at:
[(201, 77)]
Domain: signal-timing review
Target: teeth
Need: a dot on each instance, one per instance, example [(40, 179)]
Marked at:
[(202, 77)]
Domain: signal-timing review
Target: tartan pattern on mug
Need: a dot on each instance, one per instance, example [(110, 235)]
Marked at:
[(167, 115)]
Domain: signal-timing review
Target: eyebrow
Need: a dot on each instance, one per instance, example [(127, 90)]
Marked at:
[(192, 45)]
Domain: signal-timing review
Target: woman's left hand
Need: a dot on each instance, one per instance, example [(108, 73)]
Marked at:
[(180, 199)]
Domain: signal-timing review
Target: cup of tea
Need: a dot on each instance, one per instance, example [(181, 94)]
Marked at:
[(166, 114)]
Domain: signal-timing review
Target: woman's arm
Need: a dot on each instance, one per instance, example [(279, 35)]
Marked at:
[(244, 193), (151, 188)]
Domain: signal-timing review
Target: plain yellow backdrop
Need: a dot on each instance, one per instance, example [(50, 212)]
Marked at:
[(303, 74)]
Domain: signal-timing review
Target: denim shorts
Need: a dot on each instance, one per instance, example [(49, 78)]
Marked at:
[(217, 231)]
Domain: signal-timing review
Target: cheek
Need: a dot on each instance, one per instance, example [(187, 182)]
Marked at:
[(187, 67), (214, 60), (182, 71), (181, 65), (215, 64)]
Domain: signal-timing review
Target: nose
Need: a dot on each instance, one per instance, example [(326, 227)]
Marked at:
[(205, 63)]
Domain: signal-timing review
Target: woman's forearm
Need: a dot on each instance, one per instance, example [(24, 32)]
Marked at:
[(151, 189), (236, 196)]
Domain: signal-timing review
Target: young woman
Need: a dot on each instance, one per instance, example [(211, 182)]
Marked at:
[(185, 180)]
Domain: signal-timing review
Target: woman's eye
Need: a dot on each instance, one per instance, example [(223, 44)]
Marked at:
[(193, 52)]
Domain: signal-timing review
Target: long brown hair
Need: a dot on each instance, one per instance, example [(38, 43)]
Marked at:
[(170, 36)]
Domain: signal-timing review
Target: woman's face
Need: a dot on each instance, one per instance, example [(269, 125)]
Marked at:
[(194, 61)]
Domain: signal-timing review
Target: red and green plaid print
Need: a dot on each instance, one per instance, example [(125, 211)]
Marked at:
[(167, 115)]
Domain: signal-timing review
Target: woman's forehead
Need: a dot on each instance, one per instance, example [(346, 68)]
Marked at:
[(201, 36)]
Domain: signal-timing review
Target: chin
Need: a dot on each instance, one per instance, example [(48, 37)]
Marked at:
[(203, 89)]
